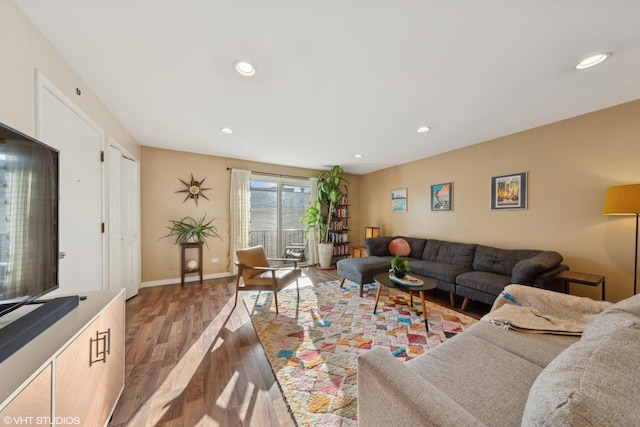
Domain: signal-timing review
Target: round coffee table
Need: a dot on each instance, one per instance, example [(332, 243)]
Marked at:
[(383, 280)]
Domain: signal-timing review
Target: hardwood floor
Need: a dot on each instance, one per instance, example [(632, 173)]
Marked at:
[(194, 360)]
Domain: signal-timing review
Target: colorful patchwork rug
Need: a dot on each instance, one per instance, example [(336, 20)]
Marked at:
[(312, 345)]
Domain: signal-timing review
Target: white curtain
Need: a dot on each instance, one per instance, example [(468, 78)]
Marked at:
[(312, 238), (240, 213)]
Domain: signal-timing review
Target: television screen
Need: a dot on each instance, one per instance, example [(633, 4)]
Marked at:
[(28, 219)]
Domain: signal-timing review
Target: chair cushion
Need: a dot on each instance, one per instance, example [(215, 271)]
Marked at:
[(399, 247), (254, 256), (284, 277)]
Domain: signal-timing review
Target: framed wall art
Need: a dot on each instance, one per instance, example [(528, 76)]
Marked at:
[(509, 191), (399, 200), (442, 197)]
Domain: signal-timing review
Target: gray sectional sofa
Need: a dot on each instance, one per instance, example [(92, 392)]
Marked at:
[(491, 376), (473, 271)]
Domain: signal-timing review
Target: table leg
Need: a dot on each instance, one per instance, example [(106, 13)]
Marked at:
[(378, 292), (424, 310)]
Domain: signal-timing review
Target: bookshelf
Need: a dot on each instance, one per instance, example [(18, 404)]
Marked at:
[(339, 230)]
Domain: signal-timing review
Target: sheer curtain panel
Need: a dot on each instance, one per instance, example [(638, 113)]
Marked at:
[(312, 237), (240, 213)]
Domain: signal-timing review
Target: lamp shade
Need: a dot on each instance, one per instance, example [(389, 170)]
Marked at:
[(622, 200), (371, 232)]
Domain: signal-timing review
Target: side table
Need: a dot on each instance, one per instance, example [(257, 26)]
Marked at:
[(581, 278), (359, 251), (183, 260)]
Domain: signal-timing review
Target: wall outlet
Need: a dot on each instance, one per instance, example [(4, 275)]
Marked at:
[(215, 259)]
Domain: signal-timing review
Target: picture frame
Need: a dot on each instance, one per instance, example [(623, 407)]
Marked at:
[(509, 191), (442, 197), (399, 200)]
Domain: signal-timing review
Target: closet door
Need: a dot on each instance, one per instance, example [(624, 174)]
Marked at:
[(124, 222), (114, 224), (130, 173)]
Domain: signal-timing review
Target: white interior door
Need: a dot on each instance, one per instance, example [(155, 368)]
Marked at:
[(114, 223), (63, 126), (124, 222), (130, 206)]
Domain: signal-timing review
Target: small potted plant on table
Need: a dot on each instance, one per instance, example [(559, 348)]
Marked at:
[(399, 267)]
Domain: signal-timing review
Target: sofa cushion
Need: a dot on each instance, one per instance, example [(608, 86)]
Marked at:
[(539, 349), (623, 314), (500, 261), (593, 382), (377, 246), (399, 247), (449, 252), (490, 283), (417, 246), (437, 270), (489, 382)]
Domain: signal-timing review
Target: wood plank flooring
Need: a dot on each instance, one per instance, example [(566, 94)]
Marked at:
[(194, 360)]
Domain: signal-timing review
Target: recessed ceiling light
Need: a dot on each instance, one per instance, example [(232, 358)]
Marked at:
[(245, 68), (423, 129), (593, 60), (358, 156), (226, 130)]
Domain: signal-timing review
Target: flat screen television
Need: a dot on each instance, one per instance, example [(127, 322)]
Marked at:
[(29, 187)]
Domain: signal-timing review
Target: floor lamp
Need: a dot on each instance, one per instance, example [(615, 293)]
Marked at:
[(625, 200)]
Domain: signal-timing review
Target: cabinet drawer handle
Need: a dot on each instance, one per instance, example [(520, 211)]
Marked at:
[(100, 347)]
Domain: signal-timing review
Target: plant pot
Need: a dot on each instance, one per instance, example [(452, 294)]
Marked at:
[(325, 254), (399, 275)]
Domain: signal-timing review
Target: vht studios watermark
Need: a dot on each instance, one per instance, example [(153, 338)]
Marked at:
[(30, 421)]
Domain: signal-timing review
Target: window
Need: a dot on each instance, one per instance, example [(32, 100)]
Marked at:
[(277, 207)]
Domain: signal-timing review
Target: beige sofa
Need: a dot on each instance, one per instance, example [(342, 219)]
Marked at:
[(494, 376)]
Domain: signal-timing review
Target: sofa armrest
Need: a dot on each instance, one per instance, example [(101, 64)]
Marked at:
[(389, 393), (526, 270)]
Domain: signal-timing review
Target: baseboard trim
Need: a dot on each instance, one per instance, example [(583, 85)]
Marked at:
[(186, 279)]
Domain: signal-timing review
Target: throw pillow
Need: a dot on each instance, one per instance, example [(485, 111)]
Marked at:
[(399, 247)]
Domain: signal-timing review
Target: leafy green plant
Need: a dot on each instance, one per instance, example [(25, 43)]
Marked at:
[(332, 186), (189, 229), (314, 219), (399, 266)]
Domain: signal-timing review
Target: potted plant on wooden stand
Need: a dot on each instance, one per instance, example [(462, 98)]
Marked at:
[(191, 230), (332, 187)]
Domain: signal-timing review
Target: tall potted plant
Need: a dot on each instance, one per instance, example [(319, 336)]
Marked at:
[(332, 187)]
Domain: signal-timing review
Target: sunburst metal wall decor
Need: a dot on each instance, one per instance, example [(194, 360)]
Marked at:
[(194, 189)]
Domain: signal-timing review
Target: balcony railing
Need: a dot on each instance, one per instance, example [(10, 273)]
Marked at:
[(269, 239)]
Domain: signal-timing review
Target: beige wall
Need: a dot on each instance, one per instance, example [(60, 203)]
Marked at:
[(570, 164), (23, 50), (160, 172)]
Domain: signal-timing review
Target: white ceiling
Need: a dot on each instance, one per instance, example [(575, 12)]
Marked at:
[(336, 78)]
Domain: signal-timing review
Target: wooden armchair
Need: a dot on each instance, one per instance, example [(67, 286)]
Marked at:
[(258, 275)]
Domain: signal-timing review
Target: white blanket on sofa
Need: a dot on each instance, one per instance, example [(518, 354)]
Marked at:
[(528, 309)]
